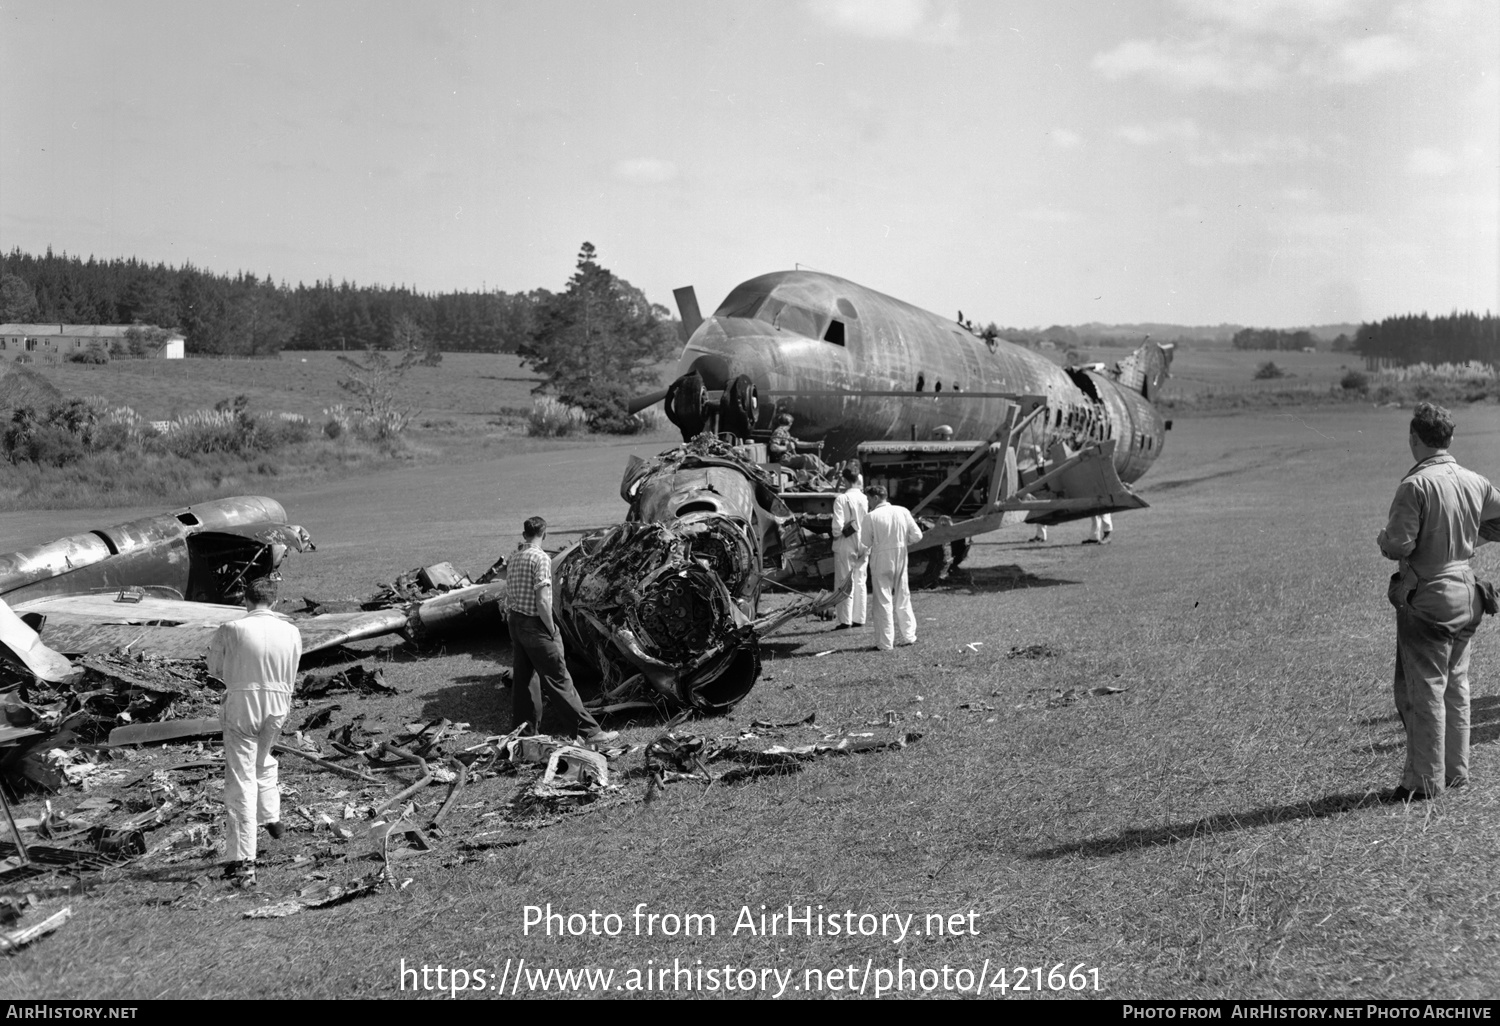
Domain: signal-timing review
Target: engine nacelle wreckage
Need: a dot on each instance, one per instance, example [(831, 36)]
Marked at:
[(667, 603), (634, 603)]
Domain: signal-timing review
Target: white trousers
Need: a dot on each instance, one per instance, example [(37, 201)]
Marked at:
[(252, 720), (1102, 526), (849, 564), (888, 572)]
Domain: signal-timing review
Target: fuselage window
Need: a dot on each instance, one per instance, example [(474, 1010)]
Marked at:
[(937, 387), (921, 381), (835, 333)]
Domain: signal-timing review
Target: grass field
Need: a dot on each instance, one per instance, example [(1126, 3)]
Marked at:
[(1197, 370), (473, 406), (465, 387), (1209, 830)]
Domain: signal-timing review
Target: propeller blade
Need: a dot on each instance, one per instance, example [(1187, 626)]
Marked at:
[(687, 308), (640, 402)]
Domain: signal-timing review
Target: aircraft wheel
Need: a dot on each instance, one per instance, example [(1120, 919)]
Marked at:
[(740, 407), (924, 569), (686, 400)]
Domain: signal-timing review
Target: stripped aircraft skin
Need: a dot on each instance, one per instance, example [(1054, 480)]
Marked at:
[(854, 365)]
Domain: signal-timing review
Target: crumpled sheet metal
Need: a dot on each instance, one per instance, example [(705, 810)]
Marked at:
[(321, 895), (16, 939), (572, 772), (25, 646)]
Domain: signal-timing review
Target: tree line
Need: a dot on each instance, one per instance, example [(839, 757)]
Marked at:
[(1272, 338), (598, 343), (1417, 338), (246, 315)]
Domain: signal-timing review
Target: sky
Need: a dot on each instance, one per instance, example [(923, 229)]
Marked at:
[(1267, 162)]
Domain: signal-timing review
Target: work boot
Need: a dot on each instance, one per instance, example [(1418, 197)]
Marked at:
[(601, 736), (277, 830)]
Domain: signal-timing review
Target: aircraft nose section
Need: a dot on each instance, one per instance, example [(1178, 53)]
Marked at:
[(718, 384), (713, 368)]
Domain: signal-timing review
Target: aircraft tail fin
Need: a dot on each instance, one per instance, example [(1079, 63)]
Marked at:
[(1146, 369), (687, 309)]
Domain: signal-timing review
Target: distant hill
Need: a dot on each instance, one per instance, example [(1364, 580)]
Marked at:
[(1220, 333)]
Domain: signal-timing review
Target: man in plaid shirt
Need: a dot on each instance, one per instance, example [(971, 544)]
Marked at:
[(536, 643)]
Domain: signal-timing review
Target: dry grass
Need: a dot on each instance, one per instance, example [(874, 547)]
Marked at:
[(1209, 831)]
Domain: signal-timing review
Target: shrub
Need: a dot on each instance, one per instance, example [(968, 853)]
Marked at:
[(1355, 381), (236, 431), (339, 421), (1269, 370), (607, 408), (95, 354), (553, 419), (651, 419)]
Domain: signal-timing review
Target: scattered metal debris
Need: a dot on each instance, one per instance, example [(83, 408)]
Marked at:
[(322, 895), (689, 757), (1033, 652), (355, 678), (1056, 698), (11, 942)]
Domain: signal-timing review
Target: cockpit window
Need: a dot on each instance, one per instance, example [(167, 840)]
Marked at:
[(743, 301), (753, 303)]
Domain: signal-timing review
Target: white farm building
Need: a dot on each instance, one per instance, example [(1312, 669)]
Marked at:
[(53, 343)]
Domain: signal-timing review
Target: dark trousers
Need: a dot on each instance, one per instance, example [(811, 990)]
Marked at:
[(1432, 696), (537, 668)]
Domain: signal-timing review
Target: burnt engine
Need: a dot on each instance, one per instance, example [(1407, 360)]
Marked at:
[(643, 603)]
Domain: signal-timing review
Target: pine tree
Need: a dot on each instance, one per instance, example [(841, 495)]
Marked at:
[(597, 342)]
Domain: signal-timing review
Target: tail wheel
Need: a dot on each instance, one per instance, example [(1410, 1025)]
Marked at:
[(740, 407), (685, 405), (925, 568)]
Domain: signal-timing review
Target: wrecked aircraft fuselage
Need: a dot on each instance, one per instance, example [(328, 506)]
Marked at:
[(202, 553)]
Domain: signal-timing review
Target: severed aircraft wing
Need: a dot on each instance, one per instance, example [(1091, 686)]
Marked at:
[(177, 629)]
